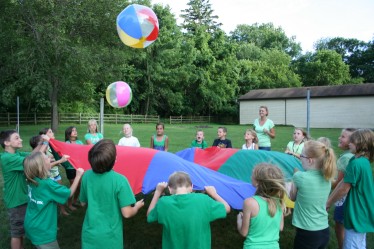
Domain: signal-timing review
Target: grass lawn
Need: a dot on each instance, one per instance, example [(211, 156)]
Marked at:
[(138, 233)]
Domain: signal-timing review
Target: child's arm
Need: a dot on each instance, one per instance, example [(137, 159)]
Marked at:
[(211, 191), (229, 145), (166, 143), (243, 220), (282, 222), (43, 146), (156, 196), (340, 177), (63, 159), (76, 181), (130, 211), (151, 146), (341, 190)]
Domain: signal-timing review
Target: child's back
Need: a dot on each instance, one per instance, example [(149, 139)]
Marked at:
[(186, 219), (264, 229), (105, 193), (109, 197), (185, 216)]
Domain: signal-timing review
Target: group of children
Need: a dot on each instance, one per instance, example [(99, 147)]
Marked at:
[(185, 215)]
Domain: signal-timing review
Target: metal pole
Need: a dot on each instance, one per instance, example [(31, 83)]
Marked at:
[(308, 111), (17, 115), (102, 116)]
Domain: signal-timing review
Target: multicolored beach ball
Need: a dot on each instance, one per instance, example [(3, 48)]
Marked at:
[(119, 94), (137, 26)]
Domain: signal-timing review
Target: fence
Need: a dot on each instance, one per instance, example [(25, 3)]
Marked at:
[(189, 119), (79, 118)]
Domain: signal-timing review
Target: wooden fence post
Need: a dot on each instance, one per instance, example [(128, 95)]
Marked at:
[(35, 122), (8, 119)]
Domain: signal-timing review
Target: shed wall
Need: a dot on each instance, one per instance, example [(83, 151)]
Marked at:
[(339, 112)]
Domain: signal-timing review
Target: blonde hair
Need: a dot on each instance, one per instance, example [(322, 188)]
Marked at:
[(90, 122), (34, 166), (254, 135), (363, 139), (179, 179), (270, 184), (324, 156), (326, 141)]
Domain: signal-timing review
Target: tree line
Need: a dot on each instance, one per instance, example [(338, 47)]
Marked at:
[(61, 55)]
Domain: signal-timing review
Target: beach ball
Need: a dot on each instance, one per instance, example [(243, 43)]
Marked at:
[(119, 94), (137, 26)]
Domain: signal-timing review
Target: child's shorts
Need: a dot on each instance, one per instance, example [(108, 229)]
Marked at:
[(51, 245), (17, 218), (339, 214), (71, 173), (56, 178)]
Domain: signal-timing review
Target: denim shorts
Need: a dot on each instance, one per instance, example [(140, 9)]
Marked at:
[(339, 214), (354, 240), (17, 218)]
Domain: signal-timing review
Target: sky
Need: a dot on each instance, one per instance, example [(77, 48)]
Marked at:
[(307, 20)]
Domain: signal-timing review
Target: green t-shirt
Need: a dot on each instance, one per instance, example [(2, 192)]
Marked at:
[(94, 138), (15, 186), (359, 205), (186, 220), (105, 195), (203, 144), (295, 148), (263, 138), (264, 230), (41, 213), (310, 205)]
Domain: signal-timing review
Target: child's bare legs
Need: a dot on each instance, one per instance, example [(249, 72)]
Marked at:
[(72, 200), (16, 243), (339, 231), (62, 207)]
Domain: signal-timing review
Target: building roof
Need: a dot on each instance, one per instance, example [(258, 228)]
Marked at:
[(315, 91)]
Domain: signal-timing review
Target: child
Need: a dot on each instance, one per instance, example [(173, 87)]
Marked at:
[(92, 136), (296, 146), (359, 187), (342, 165), (71, 137), (311, 190), (15, 189), (128, 139), (44, 194), (262, 216), (160, 141), (54, 172), (221, 141), (185, 216), (199, 142), (251, 140), (109, 197)]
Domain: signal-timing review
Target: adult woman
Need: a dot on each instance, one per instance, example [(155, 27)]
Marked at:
[(264, 128)]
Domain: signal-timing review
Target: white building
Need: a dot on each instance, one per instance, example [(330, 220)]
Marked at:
[(330, 106)]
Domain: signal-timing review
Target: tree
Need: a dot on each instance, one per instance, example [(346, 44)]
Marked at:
[(351, 50), (325, 67), (266, 36), (213, 82), (199, 13)]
